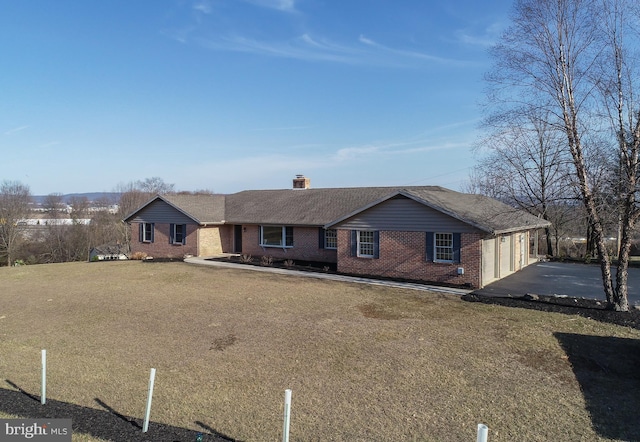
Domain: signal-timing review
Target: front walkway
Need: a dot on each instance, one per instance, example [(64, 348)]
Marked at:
[(331, 276)]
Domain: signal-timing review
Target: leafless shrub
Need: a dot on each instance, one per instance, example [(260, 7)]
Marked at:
[(245, 259), (139, 256), (266, 260), (289, 263)]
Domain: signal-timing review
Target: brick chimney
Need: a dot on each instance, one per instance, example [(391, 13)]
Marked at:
[(301, 182)]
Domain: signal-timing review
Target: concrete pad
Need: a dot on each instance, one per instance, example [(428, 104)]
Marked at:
[(560, 278)]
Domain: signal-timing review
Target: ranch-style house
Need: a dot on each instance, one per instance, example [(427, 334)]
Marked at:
[(419, 233)]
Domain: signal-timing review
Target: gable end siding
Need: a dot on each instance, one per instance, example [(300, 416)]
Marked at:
[(404, 214), (161, 212)]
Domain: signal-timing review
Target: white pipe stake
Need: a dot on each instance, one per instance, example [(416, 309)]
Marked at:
[(152, 378), (483, 432), (287, 415), (43, 391)]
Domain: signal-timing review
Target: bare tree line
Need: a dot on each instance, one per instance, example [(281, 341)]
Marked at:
[(563, 122), (68, 241)]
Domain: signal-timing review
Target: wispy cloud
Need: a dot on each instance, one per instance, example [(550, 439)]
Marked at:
[(257, 169), (50, 144), (302, 48), (281, 128), (484, 38), (180, 35), (204, 6), (365, 40), (364, 51), (280, 5), (226, 32), (16, 129), (402, 53), (418, 144)]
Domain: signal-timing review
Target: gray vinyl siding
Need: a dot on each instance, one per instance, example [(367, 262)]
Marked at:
[(404, 214), (161, 212)]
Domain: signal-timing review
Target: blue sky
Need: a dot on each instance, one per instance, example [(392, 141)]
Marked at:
[(228, 95)]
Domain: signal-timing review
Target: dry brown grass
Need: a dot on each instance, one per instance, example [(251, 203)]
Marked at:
[(365, 363)]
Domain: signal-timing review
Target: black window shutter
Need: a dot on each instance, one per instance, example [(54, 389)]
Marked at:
[(354, 243), (171, 233), (141, 231), (184, 234), (153, 231), (376, 244), (429, 246), (288, 240), (321, 238), (456, 247)]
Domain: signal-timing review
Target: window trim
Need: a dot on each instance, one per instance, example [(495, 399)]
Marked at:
[(286, 238), (173, 234), (143, 232), (360, 243), (431, 248), (443, 249), (333, 238)]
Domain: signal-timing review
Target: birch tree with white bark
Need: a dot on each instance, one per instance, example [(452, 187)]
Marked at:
[(576, 62)]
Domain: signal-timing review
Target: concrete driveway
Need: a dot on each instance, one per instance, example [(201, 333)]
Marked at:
[(560, 278)]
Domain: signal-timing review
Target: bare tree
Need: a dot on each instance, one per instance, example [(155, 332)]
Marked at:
[(154, 186), (79, 207), (564, 57), (525, 166), (15, 198), (54, 204), (136, 193), (618, 85), (133, 195)]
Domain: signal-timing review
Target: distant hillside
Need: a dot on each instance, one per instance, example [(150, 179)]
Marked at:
[(113, 197)]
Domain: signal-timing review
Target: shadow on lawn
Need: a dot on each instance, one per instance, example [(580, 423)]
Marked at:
[(108, 425), (607, 370)]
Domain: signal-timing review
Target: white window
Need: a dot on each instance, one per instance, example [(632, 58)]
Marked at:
[(331, 239), (366, 243), (443, 247), (276, 236), (146, 232)]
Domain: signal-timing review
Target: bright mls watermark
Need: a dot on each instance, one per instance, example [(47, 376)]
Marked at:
[(40, 430)]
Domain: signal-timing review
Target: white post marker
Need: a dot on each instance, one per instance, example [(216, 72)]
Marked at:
[(43, 390), (483, 432), (152, 378), (287, 415)]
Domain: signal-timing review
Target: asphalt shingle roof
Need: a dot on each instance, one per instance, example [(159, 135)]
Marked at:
[(300, 206), (205, 209), (321, 207), (480, 211), (325, 206)]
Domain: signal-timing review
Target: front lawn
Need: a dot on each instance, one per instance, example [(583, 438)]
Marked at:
[(365, 363)]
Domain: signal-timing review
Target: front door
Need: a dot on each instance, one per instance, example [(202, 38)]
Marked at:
[(237, 239)]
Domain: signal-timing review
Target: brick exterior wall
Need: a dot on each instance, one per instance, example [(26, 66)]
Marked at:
[(305, 245), (403, 255), (160, 247)]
